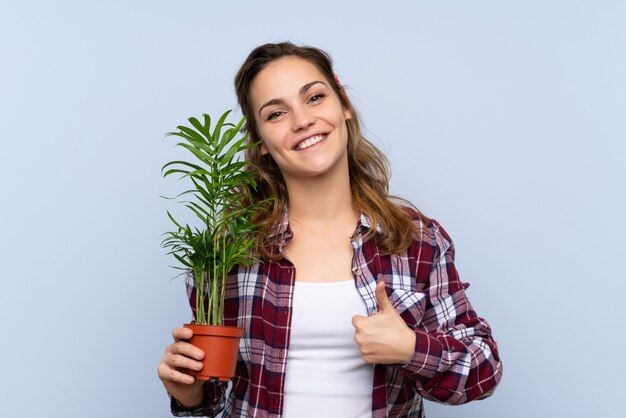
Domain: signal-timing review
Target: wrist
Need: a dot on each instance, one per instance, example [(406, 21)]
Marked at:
[(186, 406), (408, 346), (190, 399)]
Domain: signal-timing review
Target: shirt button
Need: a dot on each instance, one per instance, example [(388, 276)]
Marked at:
[(357, 271)]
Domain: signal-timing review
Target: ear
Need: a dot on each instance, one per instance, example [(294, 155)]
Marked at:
[(347, 114)]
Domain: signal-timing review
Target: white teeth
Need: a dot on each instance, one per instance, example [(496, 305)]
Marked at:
[(310, 141)]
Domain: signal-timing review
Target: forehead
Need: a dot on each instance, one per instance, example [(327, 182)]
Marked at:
[(282, 78)]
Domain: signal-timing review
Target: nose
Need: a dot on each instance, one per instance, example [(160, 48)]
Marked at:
[(301, 119)]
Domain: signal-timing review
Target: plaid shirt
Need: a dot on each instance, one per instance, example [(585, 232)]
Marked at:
[(456, 360)]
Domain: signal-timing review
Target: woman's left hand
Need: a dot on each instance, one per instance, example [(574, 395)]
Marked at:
[(384, 337)]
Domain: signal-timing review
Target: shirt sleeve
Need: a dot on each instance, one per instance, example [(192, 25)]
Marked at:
[(214, 396), (456, 359)]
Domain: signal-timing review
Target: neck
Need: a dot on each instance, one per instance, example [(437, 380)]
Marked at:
[(322, 200)]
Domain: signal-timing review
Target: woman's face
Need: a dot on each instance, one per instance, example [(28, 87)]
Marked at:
[(300, 119)]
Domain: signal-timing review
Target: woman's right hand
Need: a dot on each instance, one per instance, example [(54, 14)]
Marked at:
[(179, 357)]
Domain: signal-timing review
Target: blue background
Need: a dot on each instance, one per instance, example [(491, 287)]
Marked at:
[(503, 120)]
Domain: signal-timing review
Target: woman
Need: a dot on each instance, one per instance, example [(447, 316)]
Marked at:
[(357, 309)]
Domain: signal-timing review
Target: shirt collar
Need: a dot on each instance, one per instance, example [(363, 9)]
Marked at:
[(365, 223), (281, 232)]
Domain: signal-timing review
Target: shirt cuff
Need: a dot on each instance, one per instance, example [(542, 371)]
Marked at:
[(426, 359), (212, 405)]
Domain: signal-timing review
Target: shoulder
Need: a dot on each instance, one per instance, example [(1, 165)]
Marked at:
[(429, 233)]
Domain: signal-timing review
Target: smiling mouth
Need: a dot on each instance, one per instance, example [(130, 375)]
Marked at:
[(309, 142)]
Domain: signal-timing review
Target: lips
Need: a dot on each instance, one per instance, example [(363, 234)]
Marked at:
[(310, 141)]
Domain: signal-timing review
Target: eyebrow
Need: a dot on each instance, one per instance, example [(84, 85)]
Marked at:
[(303, 90)]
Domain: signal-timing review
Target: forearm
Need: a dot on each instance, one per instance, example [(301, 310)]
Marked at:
[(454, 371)]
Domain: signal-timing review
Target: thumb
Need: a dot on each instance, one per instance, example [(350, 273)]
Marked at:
[(384, 304)]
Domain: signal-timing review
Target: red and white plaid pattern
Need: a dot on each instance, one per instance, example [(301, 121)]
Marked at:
[(456, 360)]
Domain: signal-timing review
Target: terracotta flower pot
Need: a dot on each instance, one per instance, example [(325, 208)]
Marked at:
[(220, 345)]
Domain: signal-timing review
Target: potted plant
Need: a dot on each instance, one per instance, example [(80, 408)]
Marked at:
[(219, 197)]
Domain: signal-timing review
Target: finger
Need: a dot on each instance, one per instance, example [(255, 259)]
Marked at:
[(182, 333), (384, 304), (359, 339), (182, 362), (167, 373), (357, 320), (186, 349)]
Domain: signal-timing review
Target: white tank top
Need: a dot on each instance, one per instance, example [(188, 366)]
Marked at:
[(326, 376)]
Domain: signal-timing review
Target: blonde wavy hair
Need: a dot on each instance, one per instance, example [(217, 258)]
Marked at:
[(392, 218)]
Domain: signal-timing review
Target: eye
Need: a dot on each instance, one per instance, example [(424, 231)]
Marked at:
[(274, 115), (316, 97)]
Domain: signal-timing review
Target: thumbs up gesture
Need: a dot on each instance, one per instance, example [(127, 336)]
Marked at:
[(384, 337)]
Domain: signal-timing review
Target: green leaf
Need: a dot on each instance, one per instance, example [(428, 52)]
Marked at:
[(180, 135), (204, 192), (207, 124), (199, 127), (218, 127), (172, 218), (194, 135), (234, 149), (229, 135), (206, 158)]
